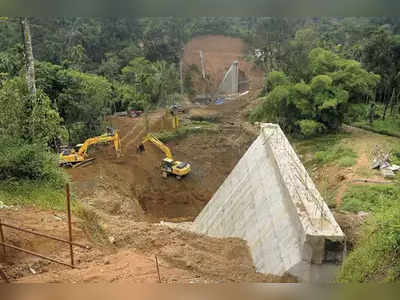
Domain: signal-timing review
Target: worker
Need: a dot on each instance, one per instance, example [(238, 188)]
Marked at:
[(110, 131), (140, 148)]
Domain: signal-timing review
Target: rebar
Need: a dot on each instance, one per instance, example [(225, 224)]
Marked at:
[(71, 249), (42, 235), (158, 270), (36, 254)]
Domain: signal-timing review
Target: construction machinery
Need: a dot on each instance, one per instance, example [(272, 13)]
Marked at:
[(78, 157), (169, 166), (176, 108)]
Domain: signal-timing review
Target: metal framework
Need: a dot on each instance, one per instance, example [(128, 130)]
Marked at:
[(69, 241)]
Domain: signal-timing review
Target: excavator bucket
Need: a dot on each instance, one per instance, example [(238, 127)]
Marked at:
[(84, 163)]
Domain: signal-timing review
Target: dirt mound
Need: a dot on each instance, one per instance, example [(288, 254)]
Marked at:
[(219, 52), (183, 257), (18, 264)]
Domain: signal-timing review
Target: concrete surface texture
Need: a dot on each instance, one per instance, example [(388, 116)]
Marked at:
[(230, 83), (270, 201)]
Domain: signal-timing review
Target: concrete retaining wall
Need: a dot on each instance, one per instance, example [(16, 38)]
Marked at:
[(270, 201)]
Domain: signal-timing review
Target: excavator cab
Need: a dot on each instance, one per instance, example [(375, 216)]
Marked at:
[(169, 166), (177, 168)]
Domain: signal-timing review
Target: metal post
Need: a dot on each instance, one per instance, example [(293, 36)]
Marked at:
[(203, 72), (2, 238), (181, 74), (158, 270), (69, 224)]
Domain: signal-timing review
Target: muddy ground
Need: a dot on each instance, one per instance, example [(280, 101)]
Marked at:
[(127, 198)]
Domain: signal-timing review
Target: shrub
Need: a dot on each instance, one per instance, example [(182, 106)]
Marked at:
[(356, 113), (323, 98), (375, 257), (274, 79), (310, 128), (24, 161)]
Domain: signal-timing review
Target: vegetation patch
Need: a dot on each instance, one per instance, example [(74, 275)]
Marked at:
[(375, 257), (319, 101), (341, 154), (371, 198), (30, 175), (329, 193), (205, 118), (195, 127), (32, 193), (90, 224), (390, 126), (327, 149)]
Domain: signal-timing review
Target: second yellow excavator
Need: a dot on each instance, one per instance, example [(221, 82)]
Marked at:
[(76, 158), (169, 166)]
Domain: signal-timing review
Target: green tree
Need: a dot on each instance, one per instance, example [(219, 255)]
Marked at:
[(154, 81), (20, 119), (83, 103), (320, 105)]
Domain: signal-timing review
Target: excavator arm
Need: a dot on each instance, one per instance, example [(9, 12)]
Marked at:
[(79, 158), (159, 144), (101, 139)]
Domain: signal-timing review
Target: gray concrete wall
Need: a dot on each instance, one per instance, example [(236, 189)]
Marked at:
[(270, 201), (230, 84)]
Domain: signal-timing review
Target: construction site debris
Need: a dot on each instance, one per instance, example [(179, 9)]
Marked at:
[(382, 161), (111, 239), (3, 276), (121, 114), (220, 101), (381, 158), (395, 168), (387, 173), (3, 206)]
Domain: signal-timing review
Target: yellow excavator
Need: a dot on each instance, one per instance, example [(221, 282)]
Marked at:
[(169, 166), (77, 158)]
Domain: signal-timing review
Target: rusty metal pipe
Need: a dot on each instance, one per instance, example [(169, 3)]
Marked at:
[(42, 235), (158, 270), (36, 254), (2, 238), (71, 250)]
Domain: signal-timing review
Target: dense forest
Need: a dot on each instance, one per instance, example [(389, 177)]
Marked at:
[(89, 67), (320, 73)]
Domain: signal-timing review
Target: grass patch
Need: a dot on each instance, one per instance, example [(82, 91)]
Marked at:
[(396, 155), (322, 149), (376, 255), (32, 193), (371, 198), (390, 126), (339, 153), (329, 193), (348, 161), (205, 118), (194, 128)]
